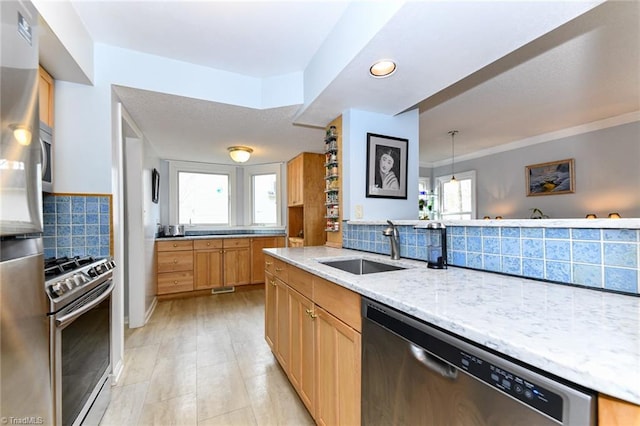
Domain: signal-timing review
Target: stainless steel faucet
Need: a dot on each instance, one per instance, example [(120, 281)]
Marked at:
[(392, 232)]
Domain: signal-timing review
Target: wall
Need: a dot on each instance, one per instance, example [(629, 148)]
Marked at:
[(607, 176), (355, 126), (592, 257)]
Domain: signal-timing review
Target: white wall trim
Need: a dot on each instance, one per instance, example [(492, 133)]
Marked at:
[(151, 310), (619, 120)]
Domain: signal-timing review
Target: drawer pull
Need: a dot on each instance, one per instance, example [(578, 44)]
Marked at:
[(268, 263), (175, 244), (311, 314), (208, 244), (279, 269), (272, 282)]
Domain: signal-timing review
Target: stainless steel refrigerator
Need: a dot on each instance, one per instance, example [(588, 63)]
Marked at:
[(25, 379)]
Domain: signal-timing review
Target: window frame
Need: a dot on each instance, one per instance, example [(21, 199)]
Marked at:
[(175, 167), (262, 169), (468, 175)]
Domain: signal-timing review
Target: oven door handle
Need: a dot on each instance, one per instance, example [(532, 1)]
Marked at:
[(66, 319)]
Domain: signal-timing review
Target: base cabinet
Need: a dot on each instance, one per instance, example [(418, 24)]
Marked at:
[(614, 412), (338, 349), (323, 357)]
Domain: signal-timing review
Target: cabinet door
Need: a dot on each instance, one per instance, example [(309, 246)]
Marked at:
[(282, 321), (45, 93), (208, 269), (614, 412), (338, 367), (301, 361), (257, 257), (270, 311), (237, 266), (294, 181)]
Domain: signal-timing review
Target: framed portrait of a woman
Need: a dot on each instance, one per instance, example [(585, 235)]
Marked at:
[(386, 166)]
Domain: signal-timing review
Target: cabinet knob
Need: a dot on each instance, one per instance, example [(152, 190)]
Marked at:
[(208, 244), (175, 244), (176, 282), (175, 260), (279, 269), (272, 282), (311, 314), (268, 263)]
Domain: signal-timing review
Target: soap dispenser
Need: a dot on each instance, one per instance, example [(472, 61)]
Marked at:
[(436, 245)]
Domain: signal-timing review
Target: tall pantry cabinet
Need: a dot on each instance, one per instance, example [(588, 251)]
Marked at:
[(306, 200)]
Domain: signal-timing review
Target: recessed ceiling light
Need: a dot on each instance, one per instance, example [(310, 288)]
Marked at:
[(382, 68)]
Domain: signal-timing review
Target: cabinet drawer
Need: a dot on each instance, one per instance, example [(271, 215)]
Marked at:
[(175, 282), (236, 242), (342, 303), (301, 281), (173, 261), (207, 244), (174, 245), (276, 267)]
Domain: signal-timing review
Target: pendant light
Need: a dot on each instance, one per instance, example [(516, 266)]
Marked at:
[(453, 134), (240, 154)]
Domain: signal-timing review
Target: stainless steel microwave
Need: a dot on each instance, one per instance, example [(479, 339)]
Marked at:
[(47, 157)]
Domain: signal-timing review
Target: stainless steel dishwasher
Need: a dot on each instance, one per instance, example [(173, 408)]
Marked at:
[(415, 374)]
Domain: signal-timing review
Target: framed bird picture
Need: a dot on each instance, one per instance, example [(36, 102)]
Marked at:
[(553, 178)]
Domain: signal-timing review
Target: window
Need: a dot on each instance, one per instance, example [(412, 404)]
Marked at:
[(265, 205), (457, 199), (203, 194), (262, 195), (203, 198)]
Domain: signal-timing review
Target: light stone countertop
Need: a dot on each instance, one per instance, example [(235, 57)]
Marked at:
[(633, 223), (589, 337)]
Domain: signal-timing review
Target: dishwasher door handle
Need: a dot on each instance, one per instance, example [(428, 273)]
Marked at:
[(434, 364)]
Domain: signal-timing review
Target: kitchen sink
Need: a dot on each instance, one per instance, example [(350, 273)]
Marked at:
[(362, 266)]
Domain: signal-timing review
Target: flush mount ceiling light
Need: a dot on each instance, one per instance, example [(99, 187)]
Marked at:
[(240, 154), (21, 133), (382, 68)]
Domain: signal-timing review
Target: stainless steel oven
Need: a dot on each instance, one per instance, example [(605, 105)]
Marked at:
[(80, 319)]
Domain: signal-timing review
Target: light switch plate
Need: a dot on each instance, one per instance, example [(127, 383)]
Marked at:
[(359, 211)]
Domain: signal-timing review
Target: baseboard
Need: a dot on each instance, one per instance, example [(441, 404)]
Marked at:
[(117, 372), (151, 309)]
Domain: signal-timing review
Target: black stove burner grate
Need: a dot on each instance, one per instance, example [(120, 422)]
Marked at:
[(55, 266)]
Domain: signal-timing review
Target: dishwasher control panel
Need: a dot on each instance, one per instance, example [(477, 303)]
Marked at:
[(515, 386)]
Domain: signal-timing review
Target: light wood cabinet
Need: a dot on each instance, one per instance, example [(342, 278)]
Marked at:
[(208, 267), (174, 266), (305, 196), (46, 97), (201, 264), (324, 346), (295, 178), (338, 352), (614, 412), (270, 311), (236, 261), (257, 255)]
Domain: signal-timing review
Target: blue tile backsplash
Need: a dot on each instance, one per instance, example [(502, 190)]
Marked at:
[(77, 225), (599, 258)]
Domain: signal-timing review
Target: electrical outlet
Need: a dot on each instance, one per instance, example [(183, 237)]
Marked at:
[(359, 213)]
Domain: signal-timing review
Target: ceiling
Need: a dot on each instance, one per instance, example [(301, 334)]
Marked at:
[(583, 71)]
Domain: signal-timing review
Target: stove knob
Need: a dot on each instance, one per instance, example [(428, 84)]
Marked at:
[(57, 289), (78, 280), (69, 283), (92, 272)]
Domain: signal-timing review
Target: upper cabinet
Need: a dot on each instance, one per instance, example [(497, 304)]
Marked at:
[(305, 200), (46, 97)]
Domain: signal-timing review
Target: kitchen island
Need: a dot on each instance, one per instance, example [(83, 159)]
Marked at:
[(588, 337)]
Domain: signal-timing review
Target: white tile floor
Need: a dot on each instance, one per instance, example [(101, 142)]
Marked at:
[(204, 361)]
